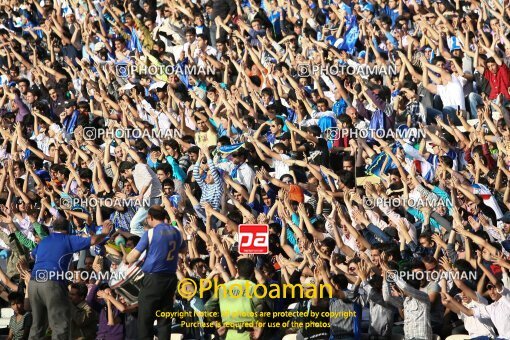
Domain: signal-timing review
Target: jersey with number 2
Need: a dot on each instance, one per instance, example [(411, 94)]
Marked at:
[(163, 250)]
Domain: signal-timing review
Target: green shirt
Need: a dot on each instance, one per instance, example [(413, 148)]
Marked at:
[(25, 241), (237, 304)]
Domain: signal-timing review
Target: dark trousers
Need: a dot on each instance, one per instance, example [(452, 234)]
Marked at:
[(49, 302), (157, 294)]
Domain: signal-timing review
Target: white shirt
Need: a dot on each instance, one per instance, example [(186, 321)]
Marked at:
[(474, 326), (245, 173), (452, 94), (209, 50), (176, 50), (280, 168), (143, 175), (3, 245), (350, 242), (498, 312), (25, 226), (316, 115)]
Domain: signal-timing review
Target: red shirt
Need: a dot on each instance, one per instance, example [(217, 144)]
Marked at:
[(500, 82)]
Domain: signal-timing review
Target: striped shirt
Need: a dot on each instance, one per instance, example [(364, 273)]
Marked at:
[(18, 327), (416, 307), (213, 192)]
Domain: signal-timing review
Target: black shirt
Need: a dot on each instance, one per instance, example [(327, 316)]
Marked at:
[(318, 153), (222, 8)]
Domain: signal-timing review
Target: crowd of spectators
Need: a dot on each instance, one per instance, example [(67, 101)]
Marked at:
[(371, 136)]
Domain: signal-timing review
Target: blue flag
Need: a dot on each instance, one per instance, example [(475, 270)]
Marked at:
[(351, 34), (134, 41), (228, 149), (183, 72)]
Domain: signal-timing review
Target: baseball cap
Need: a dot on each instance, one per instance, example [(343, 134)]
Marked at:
[(506, 217), (369, 7), (99, 46), (69, 103), (506, 245)]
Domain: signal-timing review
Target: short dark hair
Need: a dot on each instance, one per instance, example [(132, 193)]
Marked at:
[(172, 143), (15, 297), (203, 37), (427, 236), (196, 261), (235, 216), (125, 165), (190, 30), (81, 288), (245, 268), (168, 181), (134, 238), (267, 91), (347, 178), (194, 149), (278, 121), (60, 224), (322, 101), (120, 40), (24, 80), (491, 60), (158, 213), (349, 158), (340, 280), (439, 59), (315, 130), (166, 168)]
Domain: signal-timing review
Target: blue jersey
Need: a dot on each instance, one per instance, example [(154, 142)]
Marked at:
[(163, 250), (54, 253)]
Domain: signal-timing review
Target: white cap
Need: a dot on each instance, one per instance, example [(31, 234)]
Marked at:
[(157, 85), (99, 46), (127, 87)]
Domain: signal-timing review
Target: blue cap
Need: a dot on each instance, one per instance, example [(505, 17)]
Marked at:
[(369, 7), (506, 245), (506, 217), (362, 54)]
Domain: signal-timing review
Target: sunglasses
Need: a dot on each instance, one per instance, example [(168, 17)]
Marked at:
[(490, 287)]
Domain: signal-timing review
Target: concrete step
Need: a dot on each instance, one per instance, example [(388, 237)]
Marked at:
[(6, 312)]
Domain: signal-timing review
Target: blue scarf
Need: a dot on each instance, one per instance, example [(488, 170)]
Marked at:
[(233, 173), (70, 122)]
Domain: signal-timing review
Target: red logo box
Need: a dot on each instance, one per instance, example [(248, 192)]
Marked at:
[(253, 238)]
